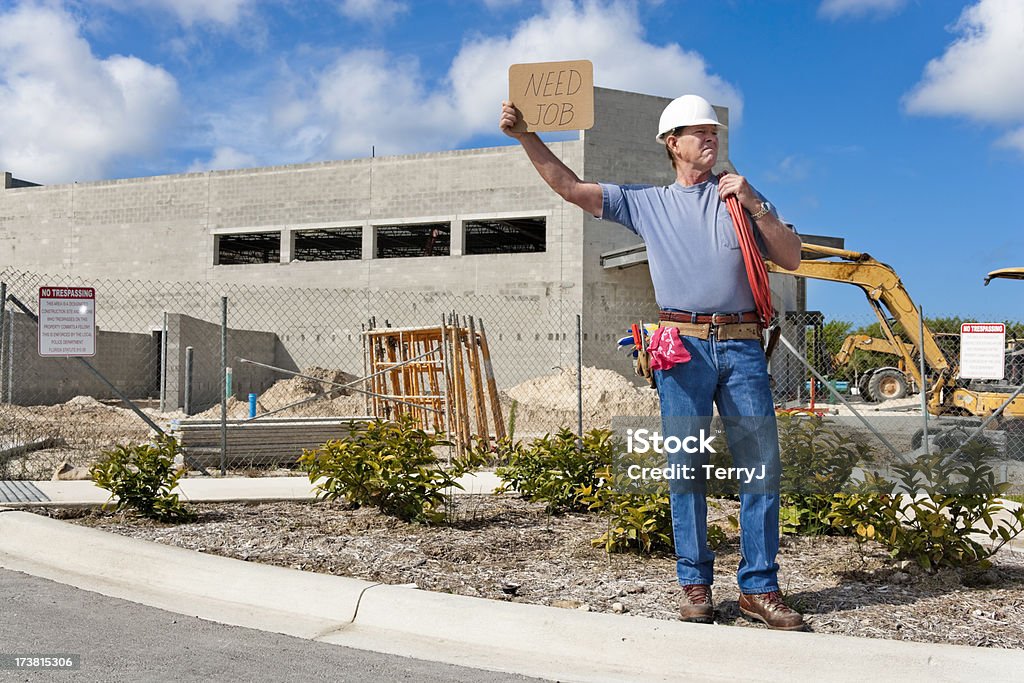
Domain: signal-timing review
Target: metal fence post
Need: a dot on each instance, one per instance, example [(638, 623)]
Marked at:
[(579, 378), (924, 382), (163, 367), (188, 380), (223, 385), (10, 359), (3, 338)]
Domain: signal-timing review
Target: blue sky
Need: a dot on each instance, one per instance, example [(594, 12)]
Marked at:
[(897, 124)]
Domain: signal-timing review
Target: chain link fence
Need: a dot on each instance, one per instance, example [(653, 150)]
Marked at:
[(296, 357), (857, 376)]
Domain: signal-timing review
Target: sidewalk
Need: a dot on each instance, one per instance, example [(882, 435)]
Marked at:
[(547, 642), (195, 489)]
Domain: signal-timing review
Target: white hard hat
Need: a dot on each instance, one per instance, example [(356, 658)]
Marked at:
[(688, 110)]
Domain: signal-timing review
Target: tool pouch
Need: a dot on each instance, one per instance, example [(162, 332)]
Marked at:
[(643, 365)]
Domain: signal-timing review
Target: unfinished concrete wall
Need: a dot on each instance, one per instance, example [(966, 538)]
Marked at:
[(128, 361), (165, 227), (205, 339)]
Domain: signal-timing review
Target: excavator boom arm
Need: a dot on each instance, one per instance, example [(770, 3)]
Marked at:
[(883, 288)]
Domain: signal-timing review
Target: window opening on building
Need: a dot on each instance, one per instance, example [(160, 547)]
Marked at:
[(422, 239), (257, 247), (505, 236), (329, 244)]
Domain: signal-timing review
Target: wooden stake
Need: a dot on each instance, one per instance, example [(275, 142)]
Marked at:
[(492, 386), (483, 431)]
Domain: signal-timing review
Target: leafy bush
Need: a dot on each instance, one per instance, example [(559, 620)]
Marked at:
[(933, 528), (389, 465), (141, 477), (640, 521), (557, 470), (817, 462)]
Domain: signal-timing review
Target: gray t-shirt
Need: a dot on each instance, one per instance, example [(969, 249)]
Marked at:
[(694, 254)]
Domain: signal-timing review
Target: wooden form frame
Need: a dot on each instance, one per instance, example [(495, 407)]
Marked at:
[(441, 376)]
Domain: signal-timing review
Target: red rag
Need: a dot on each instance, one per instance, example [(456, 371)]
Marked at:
[(666, 349)]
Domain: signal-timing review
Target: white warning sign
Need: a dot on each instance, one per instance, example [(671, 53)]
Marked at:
[(982, 350), (67, 321)]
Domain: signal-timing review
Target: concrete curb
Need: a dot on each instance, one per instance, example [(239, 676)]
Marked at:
[(221, 490), (514, 637), (302, 604)]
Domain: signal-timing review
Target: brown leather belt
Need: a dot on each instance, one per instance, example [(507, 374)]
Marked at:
[(722, 332), (708, 318)]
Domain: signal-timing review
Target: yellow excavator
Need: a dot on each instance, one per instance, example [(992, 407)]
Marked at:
[(947, 394), (886, 385), (1014, 347), (1008, 273)]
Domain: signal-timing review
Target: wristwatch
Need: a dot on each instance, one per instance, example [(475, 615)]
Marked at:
[(762, 212)]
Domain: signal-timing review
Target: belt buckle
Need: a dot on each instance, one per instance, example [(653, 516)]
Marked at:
[(715, 318)]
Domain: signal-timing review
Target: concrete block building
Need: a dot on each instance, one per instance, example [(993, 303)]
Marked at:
[(400, 235)]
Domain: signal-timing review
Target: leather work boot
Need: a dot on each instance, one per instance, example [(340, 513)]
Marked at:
[(769, 609), (695, 604)]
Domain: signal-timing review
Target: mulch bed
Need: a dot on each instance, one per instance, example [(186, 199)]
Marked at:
[(501, 547)]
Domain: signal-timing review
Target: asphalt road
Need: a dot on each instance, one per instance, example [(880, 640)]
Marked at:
[(122, 641)]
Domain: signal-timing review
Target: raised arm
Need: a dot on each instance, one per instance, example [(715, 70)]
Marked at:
[(559, 177)]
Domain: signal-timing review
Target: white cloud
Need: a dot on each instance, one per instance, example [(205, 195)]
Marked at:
[(191, 12), (608, 34), (500, 4), (374, 98), (792, 169), (981, 74), (372, 11), (75, 113), (837, 9), (1013, 140), (224, 158), (367, 100)]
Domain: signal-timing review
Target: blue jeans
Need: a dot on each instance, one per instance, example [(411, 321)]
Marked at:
[(733, 375)]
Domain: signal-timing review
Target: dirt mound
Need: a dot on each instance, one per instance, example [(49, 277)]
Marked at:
[(84, 401), (550, 401), (294, 389), (315, 398)]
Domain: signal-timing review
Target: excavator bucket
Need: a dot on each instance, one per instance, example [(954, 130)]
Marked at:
[(1008, 273)]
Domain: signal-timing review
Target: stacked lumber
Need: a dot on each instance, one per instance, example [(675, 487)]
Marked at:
[(265, 441)]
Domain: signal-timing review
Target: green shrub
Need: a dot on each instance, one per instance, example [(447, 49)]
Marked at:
[(949, 501), (555, 470), (817, 462), (141, 477), (388, 465), (640, 521), (636, 521)]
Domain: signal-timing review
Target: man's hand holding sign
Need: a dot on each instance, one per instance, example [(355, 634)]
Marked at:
[(555, 96)]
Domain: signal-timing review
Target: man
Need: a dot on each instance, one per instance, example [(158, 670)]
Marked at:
[(702, 289)]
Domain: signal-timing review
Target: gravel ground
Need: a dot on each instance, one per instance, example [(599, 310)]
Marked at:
[(503, 548)]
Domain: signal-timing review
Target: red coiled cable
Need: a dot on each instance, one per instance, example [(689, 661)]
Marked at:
[(757, 274)]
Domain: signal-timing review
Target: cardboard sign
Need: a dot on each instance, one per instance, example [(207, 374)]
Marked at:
[(552, 96), (67, 321), (982, 350)]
